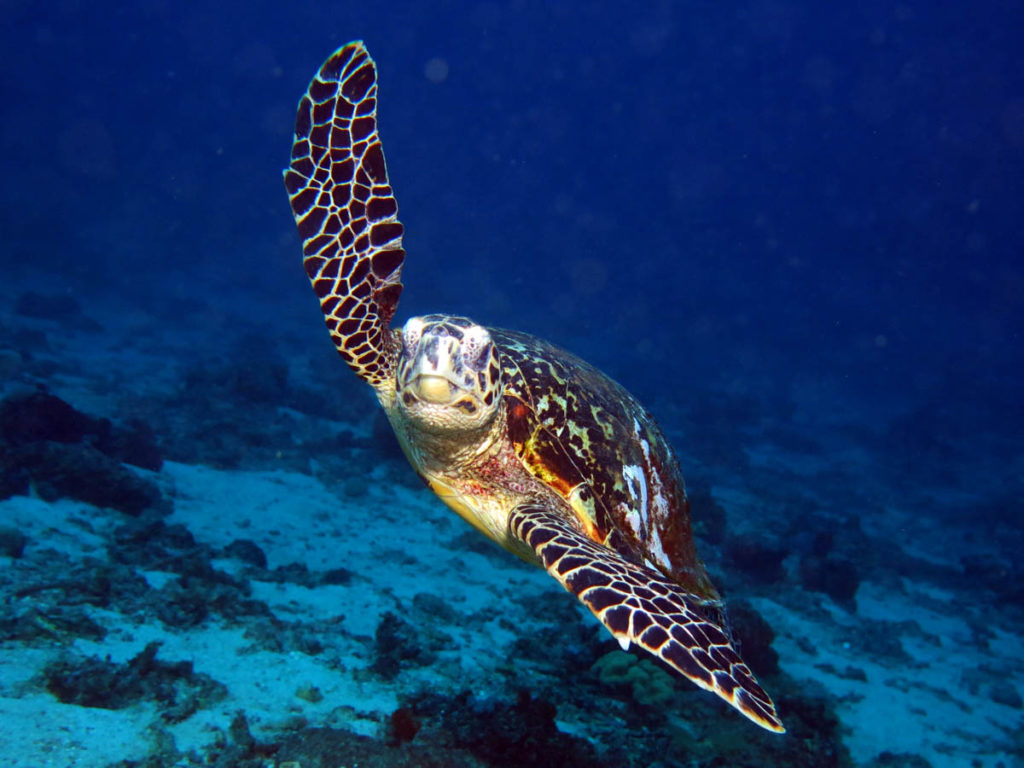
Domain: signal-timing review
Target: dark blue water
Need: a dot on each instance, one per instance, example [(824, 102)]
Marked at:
[(764, 212), (776, 185)]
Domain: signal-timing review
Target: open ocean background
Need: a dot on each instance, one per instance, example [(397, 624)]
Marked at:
[(794, 230)]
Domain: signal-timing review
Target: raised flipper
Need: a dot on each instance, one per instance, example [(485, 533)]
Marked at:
[(639, 605), (346, 212)]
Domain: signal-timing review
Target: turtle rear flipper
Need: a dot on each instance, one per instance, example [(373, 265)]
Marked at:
[(638, 605), (346, 212)]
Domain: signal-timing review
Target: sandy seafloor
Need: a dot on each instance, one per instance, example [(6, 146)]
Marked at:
[(923, 661)]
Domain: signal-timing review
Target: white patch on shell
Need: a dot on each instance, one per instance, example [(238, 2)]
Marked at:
[(656, 548), (542, 403), (543, 407), (653, 514), (636, 480)]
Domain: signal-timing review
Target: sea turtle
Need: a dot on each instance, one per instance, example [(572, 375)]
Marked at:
[(540, 451)]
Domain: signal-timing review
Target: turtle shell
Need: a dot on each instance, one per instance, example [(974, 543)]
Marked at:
[(584, 436)]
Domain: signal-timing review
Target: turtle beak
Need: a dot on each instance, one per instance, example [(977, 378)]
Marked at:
[(433, 389), (432, 373)]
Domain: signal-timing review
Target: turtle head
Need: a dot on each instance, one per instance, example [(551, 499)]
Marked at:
[(449, 376)]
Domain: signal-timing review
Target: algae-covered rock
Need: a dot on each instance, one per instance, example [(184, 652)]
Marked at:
[(93, 682), (647, 682)]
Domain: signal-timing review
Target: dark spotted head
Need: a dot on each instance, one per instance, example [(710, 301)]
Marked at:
[(449, 376)]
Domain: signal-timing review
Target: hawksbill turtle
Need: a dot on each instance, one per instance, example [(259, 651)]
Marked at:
[(537, 449)]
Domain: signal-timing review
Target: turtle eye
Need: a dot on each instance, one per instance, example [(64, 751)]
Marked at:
[(411, 333), (476, 347)]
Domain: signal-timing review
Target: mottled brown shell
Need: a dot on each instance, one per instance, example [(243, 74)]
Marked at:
[(588, 439)]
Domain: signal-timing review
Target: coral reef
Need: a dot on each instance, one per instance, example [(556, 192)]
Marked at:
[(709, 517), (12, 542), (59, 451), (92, 682), (754, 636), (836, 577), (519, 734), (396, 645), (758, 559)]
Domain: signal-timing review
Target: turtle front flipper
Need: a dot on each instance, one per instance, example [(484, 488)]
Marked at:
[(346, 212), (638, 605)]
